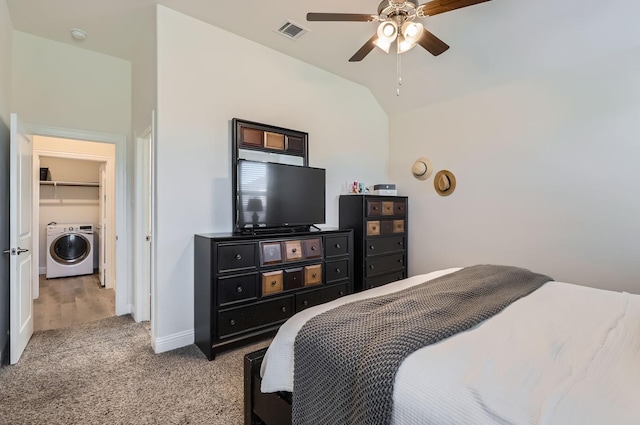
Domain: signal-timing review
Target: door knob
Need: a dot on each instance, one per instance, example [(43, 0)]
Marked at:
[(14, 251)]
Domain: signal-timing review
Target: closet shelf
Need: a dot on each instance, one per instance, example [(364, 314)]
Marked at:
[(61, 183)]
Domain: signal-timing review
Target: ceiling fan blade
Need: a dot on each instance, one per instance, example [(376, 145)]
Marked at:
[(340, 17), (433, 44), (436, 7), (364, 50)]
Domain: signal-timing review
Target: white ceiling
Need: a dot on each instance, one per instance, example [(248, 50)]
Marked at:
[(491, 43)]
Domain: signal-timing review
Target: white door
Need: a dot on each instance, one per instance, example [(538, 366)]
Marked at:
[(147, 225), (144, 226), (102, 232), (20, 240)]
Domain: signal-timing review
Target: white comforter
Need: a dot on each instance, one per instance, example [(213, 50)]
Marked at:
[(565, 354)]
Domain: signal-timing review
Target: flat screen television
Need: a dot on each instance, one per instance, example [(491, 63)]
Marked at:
[(271, 195)]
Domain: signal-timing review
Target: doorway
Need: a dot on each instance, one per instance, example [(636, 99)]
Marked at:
[(75, 187), (78, 142)]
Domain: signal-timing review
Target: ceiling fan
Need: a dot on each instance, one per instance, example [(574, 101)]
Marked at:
[(397, 24)]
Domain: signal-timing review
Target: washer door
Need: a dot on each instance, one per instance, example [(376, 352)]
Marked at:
[(69, 249)]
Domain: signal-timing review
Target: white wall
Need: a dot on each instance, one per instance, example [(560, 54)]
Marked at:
[(65, 86), (6, 31), (547, 175), (144, 75), (206, 77)]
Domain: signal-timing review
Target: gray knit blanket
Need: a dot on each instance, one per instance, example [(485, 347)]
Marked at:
[(346, 359)]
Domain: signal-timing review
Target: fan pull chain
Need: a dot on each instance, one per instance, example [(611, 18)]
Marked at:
[(398, 67)]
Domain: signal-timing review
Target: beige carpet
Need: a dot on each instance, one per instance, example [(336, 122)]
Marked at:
[(105, 372)]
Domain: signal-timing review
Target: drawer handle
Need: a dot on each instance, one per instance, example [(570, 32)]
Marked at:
[(284, 309), (273, 283), (294, 250), (338, 245), (373, 227), (295, 278), (314, 275), (341, 293), (337, 270), (400, 243), (400, 260), (239, 289), (305, 303), (238, 257), (232, 322), (375, 208), (371, 267), (313, 248), (371, 247)]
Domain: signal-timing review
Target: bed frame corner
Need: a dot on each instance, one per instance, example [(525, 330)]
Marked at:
[(262, 408)]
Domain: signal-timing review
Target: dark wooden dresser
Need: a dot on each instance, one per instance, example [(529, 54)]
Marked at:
[(246, 286), (380, 237)]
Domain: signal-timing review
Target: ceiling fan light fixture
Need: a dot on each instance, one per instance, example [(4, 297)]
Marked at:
[(412, 31), (388, 31), (404, 44), (383, 44)]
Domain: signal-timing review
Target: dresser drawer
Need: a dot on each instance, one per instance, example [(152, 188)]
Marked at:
[(237, 288), (336, 246), (318, 296), (388, 208), (398, 226), (374, 282), (293, 278), (271, 252), (386, 227), (236, 257), (373, 228), (312, 248), (384, 245), (313, 275), (336, 270), (260, 314), (293, 250), (377, 265), (272, 282), (400, 208), (374, 208)]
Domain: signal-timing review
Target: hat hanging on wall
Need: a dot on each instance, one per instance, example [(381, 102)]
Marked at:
[(422, 168), (444, 182)]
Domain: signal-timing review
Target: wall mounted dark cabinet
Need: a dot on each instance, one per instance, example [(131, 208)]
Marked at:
[(380, 237)]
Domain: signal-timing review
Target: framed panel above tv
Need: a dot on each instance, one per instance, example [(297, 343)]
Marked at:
[(255, 142), (262, 142)]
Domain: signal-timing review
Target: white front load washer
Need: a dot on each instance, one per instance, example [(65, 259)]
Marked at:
[(69, 250)]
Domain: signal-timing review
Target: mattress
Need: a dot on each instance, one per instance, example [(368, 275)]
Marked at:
[(566, 354)]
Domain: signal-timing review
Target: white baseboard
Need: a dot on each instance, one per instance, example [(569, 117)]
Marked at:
[(43, 270), (171, 342), (128, 309)]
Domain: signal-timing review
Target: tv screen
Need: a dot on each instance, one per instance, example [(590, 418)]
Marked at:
[(279, 195)]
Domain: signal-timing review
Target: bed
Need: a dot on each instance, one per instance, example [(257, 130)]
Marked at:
[(563, 354)]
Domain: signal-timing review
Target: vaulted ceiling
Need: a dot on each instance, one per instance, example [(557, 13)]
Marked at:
[(491, 43)]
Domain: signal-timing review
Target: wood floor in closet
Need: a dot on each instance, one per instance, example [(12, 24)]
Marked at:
[(69, 301)]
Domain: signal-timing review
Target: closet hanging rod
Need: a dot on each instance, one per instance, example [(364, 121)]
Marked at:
[(61, 183)]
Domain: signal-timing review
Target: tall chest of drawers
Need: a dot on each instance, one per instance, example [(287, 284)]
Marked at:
[(380, 237), (246, 286)]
